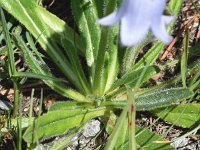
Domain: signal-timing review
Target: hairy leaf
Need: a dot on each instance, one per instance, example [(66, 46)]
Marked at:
[(37, 65), (47, 29), (185, 115), (86, 16), (162, 98), (147, 140), (131, 79), (157, 99), (59, 122)]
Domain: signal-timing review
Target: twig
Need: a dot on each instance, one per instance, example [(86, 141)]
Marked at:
[(176, 38)]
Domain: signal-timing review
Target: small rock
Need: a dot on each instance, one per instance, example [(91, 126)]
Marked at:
[(91, 129), (5, 105), (185, 144)]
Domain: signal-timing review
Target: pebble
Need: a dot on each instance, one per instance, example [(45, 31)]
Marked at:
[(186, 144), (91, 129)]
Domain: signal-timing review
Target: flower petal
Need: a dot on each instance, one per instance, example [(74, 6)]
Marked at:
[(114, 17), (159, 30), (167, 19), (159, 21), (110, 19), (136, 22), (132, 34)]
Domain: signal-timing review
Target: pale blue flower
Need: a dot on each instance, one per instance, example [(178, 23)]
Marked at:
[(137, 17)]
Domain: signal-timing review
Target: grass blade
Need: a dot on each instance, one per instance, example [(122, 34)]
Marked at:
[(115, 133), (184, 58), (12, 69), (131, 119)]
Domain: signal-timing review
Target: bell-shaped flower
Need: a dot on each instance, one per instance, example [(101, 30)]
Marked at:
[(137, 17)]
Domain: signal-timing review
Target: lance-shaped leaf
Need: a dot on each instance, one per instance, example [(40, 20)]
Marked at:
[(59, 122), (184, 58), (131, 78), (39, 67), (148, 140), (162, 98), (46, 28), (86, 16), (185, 115), (157, 99), (112, 69), (103, 71), (39, 21), (145, 139)]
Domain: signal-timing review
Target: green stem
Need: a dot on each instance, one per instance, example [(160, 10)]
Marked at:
[(19, 126), (131, 119), (16, 98), (115, 133), (114, 104)]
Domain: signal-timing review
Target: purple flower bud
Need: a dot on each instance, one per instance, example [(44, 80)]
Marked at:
[(137, 17)]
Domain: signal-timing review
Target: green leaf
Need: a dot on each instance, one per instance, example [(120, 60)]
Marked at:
[(184, 58), (38, 66), (147, 140), (25, 122), (86, 19), (33, 45), (195, 72), (99, 76), (125, 124), (100, 6), (175, 6), (131, 119), (99, 79), (184, 115), (112, 68), (157, 99), (47, 29), (150, 57), (132, 53), (69, 106), (117, 129), (39, 21), (131, 79), (77, 67), (12, 68), (38, 76), (162, 98), (123, 135), (56, 123)]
